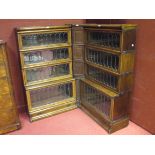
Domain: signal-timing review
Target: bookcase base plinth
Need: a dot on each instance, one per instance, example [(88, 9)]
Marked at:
[(44, 113), (109, 126), (11, 128)]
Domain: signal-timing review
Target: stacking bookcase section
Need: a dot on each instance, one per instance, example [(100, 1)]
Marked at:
[(43, 37), (118, 38), (46, 62), (106, 107), (51, 98), (117, 63), (9, 119), (39, 74), (118, 83)]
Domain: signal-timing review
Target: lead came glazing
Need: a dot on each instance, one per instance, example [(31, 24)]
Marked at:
[(106, 39), (97, 99), (44, 39), (105, 59), (105, 78)]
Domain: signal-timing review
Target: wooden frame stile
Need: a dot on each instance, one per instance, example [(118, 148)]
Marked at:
[(78, 43)]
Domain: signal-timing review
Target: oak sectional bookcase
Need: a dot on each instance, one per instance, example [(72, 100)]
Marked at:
[(88, 66), (46, 62)]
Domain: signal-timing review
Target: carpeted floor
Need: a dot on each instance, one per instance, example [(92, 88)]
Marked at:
[(74, 122)]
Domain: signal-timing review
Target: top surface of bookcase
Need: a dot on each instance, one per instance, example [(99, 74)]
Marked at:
[(106, 26), (41, 27)]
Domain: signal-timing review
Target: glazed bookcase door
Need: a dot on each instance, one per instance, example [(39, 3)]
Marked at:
[(41, 74), (118, 39), (9, 119), (105, 78), (95, 99), (46, 56), (107, 60), (51, 94), (38, 39), (108, 39), (118, 83)]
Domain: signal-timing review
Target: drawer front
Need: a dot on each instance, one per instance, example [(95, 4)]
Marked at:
[(90, 96), (51, 94), (103, 38), (7, 117), (4, 85), (46, 73), (40, 39), (5, 101), (2, 69), (45, 56)]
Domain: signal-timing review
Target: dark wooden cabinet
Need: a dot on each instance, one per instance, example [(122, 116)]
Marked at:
[(108, 62), (88, 66), (9, 120)]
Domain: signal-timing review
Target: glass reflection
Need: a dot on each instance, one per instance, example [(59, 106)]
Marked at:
[(45, 55), (43, 73)]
